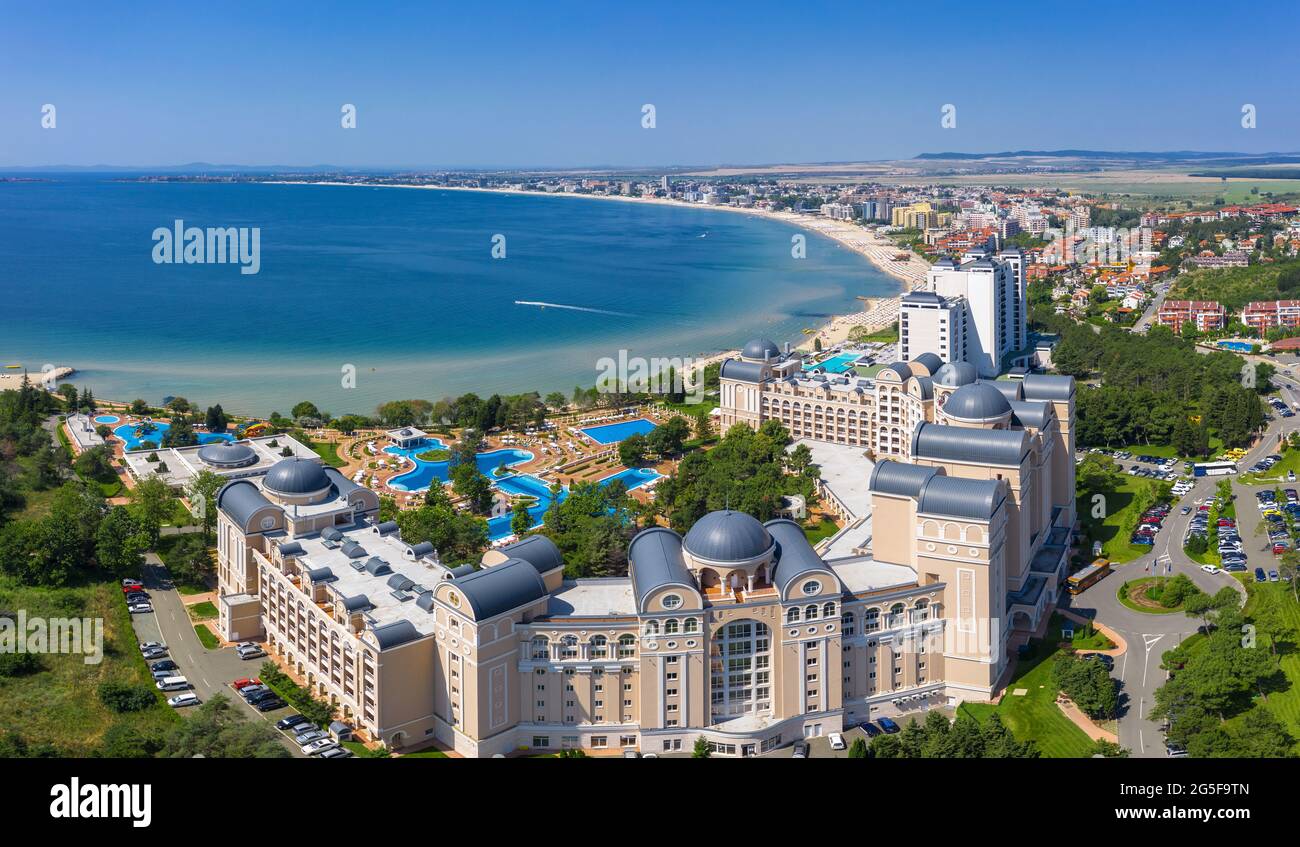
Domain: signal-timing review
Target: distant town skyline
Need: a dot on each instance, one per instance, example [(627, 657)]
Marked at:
[(528, 87)]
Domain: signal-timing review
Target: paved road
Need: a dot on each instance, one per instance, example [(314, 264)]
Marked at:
[(1148, 635), (209, 671)]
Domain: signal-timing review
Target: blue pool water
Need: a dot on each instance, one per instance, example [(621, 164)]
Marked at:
[(126, 432), (633, 477), (499, 528), (425, 473), (1237, 346), (616, 432), (836, 364), (107, 419)]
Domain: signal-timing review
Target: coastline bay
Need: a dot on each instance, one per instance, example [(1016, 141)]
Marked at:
[(400, 285)]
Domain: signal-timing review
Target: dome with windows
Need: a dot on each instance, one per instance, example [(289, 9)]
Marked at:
[(727, 536), (227, 455)]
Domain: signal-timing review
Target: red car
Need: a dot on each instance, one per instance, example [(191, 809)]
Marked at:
[(241, 684), (129, 587)]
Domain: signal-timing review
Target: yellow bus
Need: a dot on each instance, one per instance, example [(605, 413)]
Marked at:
[(1079, 582)]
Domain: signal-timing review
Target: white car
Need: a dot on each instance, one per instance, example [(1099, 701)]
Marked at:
[(1209, 568), (187, 699), (320, 745), (139, 608), (251, 652), (837, 741)]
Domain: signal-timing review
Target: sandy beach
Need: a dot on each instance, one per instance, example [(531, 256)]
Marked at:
[(13, 380), (880, 251)]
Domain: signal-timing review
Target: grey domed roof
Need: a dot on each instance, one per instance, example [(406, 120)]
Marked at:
[(955, 374), (978, 401), (760, 348), (227, 455), (296, 476), (728, 536)]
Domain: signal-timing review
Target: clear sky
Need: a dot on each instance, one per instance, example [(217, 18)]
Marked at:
[(562, 83)]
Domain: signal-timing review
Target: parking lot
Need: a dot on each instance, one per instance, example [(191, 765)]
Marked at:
[(208, 672)]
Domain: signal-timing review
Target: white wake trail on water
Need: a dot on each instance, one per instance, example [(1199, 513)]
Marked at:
[(573, 308)]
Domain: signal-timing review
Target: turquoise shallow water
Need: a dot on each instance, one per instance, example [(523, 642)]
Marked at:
[(398, 285)]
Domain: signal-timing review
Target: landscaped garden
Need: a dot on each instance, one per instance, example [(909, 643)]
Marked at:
[(1157, 595)]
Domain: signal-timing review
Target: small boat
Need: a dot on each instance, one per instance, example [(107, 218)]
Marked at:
[(13, 367)]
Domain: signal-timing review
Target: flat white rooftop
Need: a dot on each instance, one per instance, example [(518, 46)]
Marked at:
[(183, 463), (866, 574), (595, 598), (846, 471)]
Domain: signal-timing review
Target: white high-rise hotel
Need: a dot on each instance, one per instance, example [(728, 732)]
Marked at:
[(973, 310)]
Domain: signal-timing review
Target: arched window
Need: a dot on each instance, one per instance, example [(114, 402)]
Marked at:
[(740, 670), (810, 613), (599, 647), (847, 624), (691, 625), (896, 614), (670, 626), (569, 647), (792, 616), (921, 611), (540, 648), (652, 628), (626, 646), (828, 610), (871, 620)]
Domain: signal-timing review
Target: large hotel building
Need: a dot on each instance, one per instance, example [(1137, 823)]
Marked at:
[(737, 631)]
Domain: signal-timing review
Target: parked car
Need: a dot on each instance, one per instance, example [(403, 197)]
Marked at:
[(800, 750), (149, 645), (1272, 576), (164, 665), (243, 683), (173, 683), (1175, 751), (252, 653), (269, 704), (189, 698), (291, 721), (128, 581), (309, 736), (344, 753), (1259, 575), (1209, 568), (139, 608), (154, 653), (888, 725), (319, 746), (837, 741), (870, 729)]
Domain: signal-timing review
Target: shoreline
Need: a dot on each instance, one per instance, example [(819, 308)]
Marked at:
[(878, 313)]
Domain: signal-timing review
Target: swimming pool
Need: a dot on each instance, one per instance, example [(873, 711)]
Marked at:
[(425, 473), (1237, 346), (126, 432), (633, 477), (107, 419), (836, 364), (530, 486), (616, 432)]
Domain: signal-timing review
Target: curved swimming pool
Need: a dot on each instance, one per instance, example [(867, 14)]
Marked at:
[(132, 441), (107, 419), (633, 477), (424, 473)]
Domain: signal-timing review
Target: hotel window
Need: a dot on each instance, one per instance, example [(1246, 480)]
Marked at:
[(670, 626), (672, 660), (828, 611), (810, 613), (627, 740), (627, 703), (691, 625), (847, 622), (541, 741), (569, 647), (652, 628), (671, 676), (599, 647), (626, 646), (792, 616), (540, 648)]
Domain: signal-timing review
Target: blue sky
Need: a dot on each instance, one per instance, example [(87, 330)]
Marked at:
[(562, 84)]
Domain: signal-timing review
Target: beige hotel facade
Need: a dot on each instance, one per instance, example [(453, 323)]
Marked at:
[(737, 631)]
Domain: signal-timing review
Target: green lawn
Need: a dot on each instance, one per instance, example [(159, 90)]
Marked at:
[(58, 704), (431, 753), (205, 635), (1167, 451), (204, 611), (1034, 716), (820, 531), (1121, 515), (329, 453), (1082, 640)]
